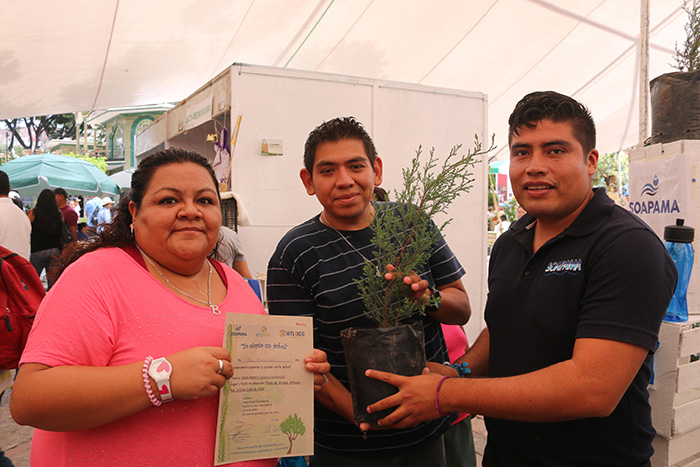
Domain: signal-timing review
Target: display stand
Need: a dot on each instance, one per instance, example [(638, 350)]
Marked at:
[(675, 395), (663, 187)]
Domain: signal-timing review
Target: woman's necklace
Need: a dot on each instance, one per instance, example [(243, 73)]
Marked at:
[(325, 220), (214, 308)]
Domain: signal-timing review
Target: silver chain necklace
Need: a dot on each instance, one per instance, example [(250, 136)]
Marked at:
[(214, 308), (325, 220)]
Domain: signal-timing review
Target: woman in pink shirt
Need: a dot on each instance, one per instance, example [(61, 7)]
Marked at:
[(126, 367)]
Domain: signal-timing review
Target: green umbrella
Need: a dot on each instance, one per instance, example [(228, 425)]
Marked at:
[(499, 167), (31, 174)]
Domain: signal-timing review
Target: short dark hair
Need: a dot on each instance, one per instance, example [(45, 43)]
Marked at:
[(335, 130), (551, 105), (60, 191), (4, 183)]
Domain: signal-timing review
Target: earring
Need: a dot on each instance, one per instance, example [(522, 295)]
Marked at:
[(132, 230)]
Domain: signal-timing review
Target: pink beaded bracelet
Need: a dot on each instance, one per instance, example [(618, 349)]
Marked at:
[(147, 381), (437, 393)]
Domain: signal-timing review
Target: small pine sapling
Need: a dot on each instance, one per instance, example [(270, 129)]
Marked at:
[(688, 56), (405, 235)]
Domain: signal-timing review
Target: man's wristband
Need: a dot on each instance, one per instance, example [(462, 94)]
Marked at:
[(462, 369), (439, 411)]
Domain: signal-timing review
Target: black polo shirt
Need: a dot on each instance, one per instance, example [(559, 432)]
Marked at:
[(607, 276)]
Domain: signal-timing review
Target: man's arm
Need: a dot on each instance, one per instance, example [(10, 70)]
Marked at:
[(590, 384), (454, 305), (74, 231), (336, 397), (241, 267), (478, 355)]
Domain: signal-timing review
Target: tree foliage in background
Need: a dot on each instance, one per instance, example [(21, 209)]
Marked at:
[(98, 161), (404, 234), (688, 56), (510, 208), (608, 175), (53, 126)]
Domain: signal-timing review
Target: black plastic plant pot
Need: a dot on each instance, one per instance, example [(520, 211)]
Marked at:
[(399, 350), (675, 107)]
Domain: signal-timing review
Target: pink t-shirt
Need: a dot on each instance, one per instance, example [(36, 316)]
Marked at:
[(456, 341), (120, 314)]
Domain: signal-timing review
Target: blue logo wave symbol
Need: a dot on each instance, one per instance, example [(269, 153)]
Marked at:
[(651, 188), (561, 273)]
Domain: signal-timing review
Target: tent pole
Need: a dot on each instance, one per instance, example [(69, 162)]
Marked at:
[(78, 116), (644, 72)]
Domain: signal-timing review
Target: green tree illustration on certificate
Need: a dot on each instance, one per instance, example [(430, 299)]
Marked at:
[(293, 426)]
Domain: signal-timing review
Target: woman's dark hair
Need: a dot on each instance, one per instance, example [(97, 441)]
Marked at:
[(380, 194), (47, 216), (118, 232), (4, 183)]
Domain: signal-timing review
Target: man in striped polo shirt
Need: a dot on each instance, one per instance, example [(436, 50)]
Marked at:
[(311, 274)]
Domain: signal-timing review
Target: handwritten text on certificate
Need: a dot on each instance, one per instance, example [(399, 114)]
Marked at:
[(266, 408)]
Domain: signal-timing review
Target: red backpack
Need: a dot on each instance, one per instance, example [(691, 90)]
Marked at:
[(21, 292)]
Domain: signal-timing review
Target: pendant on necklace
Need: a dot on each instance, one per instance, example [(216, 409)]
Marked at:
[(215, 309)]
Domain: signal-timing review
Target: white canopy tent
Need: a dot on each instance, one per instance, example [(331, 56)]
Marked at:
[(79, 55)]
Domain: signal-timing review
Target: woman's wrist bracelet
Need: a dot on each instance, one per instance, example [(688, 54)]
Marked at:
[(438, 411), (147, 381), (462, 369)]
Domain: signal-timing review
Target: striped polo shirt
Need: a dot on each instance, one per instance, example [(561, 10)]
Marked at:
[(312, 273)]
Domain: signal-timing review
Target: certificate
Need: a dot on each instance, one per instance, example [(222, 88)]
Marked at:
[(266, 408)]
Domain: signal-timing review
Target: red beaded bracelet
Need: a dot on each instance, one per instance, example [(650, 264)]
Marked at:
[(437, 393)]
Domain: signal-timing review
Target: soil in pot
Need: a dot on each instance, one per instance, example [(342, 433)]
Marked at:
[(399, 349)]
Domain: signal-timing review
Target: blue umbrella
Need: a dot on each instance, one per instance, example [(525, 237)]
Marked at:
[(31, 174)]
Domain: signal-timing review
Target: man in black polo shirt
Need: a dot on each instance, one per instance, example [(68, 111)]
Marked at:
[(577, 291)]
